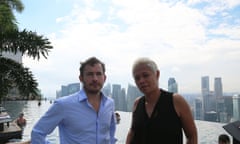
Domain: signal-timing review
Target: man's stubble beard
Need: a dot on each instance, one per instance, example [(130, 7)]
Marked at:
[(90, 91)]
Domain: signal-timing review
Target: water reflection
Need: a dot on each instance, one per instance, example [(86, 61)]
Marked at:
[(32, 112)]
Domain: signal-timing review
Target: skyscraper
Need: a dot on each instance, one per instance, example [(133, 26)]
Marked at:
[(172, 85), (116, 94), (198, 106), (205, 85), (218, 90), (209, 100), (107, 90), (236, 107), (132, 93), (68, 89)]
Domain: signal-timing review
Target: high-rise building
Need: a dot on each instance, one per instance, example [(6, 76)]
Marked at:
[(198, 106), (116, 94), (209, 100), (228, 107), (221, 110), (73, 87), (218, 90), (132, 93), (236, 107), (205, 85), (122, 100), (68, 89), (205, 93), (172, 85), (107, 90)]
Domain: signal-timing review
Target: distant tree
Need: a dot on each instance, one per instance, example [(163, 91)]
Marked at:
[(14, 74)]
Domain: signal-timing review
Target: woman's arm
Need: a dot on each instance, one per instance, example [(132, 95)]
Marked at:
[(185, 114), (129, 136), (131, 132)]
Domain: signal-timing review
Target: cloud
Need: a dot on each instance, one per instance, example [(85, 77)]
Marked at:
[(176, 35)]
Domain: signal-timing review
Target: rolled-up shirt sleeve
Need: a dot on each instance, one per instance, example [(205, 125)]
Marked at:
[(47, 123)]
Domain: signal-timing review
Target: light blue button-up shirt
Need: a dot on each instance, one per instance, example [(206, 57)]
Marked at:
[(77, 121)]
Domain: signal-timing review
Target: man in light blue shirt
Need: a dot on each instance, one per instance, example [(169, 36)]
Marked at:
[(86, 117)]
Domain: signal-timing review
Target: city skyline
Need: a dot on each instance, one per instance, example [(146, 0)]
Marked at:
[(208, 105), (214, 88), (187, 39)]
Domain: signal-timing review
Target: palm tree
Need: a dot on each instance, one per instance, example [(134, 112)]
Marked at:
[(26, 42), (7, 18), (14, 74)]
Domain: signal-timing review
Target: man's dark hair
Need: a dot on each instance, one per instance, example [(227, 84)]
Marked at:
[(91, 61), (224, 138)]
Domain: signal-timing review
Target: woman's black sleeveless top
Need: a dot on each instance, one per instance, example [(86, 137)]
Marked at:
[(164, 125)]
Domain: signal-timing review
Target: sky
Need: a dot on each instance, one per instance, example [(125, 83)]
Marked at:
[(188, 39)]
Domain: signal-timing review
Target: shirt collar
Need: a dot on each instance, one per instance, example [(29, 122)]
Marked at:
[(83, 96)]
